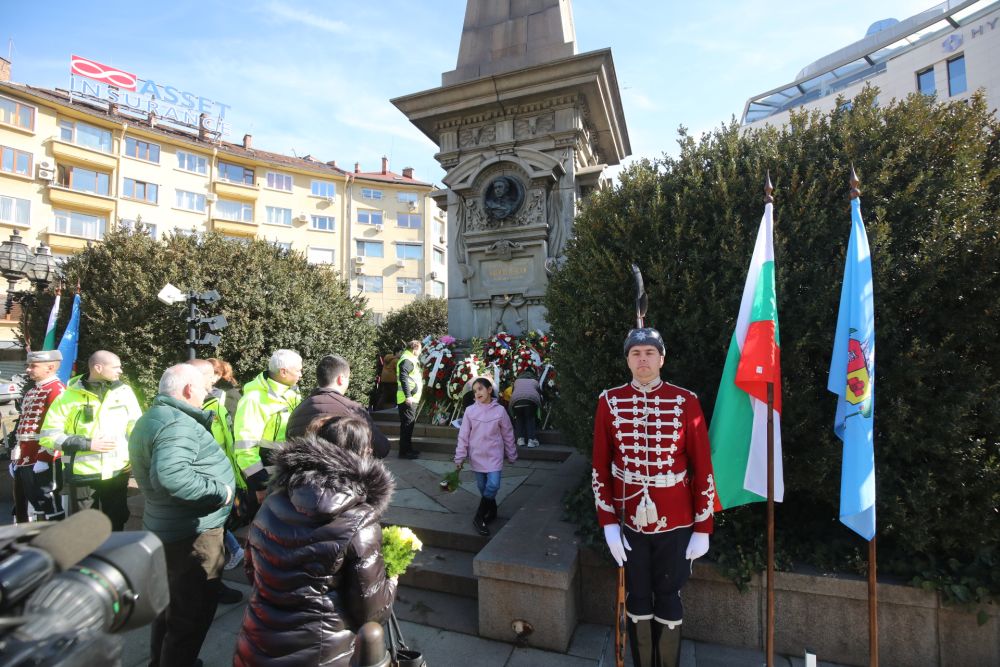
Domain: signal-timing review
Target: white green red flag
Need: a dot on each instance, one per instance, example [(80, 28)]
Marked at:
[(50, 328), (738, 432)]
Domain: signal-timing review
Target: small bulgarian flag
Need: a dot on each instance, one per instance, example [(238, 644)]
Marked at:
[(50, 328), (739, 423)]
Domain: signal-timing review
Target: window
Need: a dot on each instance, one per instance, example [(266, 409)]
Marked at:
[(324, 189), (191, 162), (277, 181), (15, 161), (324, 223), (409, 220), (140, 190), (437, 288), (282, 245), (279, 216), (320, 255), (406, 197), (15, 211), (82, 134), (438, 256), (136, 225), (80, 224), (190, 201), (142, 150), (370, 284), (409, 251), (84, 180), (235, 173), (439, 230), (409, 286), (368, 193), (925, 81), (956, 76), (237, 211), (371, 249), (17, 114), (369, 217)]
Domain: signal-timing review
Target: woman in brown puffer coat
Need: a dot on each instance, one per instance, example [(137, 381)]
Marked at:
[(314, 554)]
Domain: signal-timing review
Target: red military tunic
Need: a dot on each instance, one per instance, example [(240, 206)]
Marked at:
[(35, 404), (651, 448)]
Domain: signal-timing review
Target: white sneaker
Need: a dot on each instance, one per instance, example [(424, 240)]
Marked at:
[(532, 443), (520, 442), (234, 559)]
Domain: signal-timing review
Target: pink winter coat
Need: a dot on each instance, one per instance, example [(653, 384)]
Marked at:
[(485, 434)]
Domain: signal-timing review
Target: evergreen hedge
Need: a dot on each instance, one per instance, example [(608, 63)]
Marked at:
[(272, 299), (421, 317), (930, 198)]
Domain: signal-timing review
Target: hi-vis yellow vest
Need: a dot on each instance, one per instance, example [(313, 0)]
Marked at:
[(415, 375)]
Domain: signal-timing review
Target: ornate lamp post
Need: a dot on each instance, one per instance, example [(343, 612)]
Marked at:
[(15, 263), (44, 269)]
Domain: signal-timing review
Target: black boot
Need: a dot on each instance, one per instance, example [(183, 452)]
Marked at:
[(668, 644), (491, 510), (640, 638), (479, 521)]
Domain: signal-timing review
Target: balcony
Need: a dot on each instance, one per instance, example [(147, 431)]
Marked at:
[(234, 228), (74, 199), (81, 155), (228, 190), (64, 243)]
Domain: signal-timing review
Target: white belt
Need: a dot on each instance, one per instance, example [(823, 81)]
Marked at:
[(660, 481)]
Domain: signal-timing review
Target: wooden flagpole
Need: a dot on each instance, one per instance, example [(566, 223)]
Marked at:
[(769, 645), (872, 549)]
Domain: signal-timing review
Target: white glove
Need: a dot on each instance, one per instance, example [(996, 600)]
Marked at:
[(697, 546), (40, 466), (12, 468), (616, 542)]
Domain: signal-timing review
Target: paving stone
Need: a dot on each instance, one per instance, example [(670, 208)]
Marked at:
[(590, 641), (441, 648), (414, 499)]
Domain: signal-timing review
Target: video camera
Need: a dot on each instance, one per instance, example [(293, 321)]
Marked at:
[(68, 588)]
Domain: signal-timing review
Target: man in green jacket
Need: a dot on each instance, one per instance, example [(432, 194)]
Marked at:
[(188, 485), (409, 383), (89, 424)]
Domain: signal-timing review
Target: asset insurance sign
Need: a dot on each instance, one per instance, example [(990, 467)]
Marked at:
[(116, 86)]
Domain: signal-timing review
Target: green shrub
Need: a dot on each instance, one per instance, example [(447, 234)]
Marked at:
[(272, 299), (419, 318), (929, 182)]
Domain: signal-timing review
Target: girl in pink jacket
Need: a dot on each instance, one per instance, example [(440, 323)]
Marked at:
[(485, 435)]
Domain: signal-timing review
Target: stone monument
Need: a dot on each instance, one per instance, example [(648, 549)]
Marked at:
[(525, 127)]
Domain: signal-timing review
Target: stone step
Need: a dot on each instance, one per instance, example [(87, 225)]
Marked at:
[(442, 570), (440, 610), (441, 531)]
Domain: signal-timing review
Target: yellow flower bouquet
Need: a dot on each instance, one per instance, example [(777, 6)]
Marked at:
[(399, 546)]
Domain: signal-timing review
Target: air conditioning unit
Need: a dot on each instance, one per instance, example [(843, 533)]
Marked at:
[(434, 275), (302, 217), (412, 205), (359, 260), (46, 174), (400, 263), (329, 200), (378, 228), (211, 197), (358, 270)]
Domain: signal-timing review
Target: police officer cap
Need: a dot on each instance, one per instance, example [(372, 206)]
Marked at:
[(645, 336), (44, 355)]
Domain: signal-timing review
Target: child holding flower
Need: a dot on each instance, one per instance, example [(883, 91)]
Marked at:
[(485, 436)]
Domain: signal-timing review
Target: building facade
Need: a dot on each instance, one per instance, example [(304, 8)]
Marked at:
[(71, 168), (951, 51)]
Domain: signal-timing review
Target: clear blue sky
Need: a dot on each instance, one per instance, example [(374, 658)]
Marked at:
[(315, 77)]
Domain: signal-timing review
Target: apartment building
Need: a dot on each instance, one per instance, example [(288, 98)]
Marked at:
[(72, 166), (950, 51)]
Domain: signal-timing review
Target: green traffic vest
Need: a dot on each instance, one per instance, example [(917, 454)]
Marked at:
[(415, 375)]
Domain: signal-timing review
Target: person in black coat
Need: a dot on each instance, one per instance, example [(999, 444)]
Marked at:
[(333, 375), (314, 553)]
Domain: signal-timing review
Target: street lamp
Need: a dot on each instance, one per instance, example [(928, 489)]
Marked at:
[(18, 263)]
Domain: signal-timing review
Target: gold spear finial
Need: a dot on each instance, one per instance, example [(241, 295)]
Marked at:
[(768, 189), (855, 192)]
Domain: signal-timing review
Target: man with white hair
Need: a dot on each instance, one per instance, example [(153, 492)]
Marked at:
[(188, 486), (262, 416)]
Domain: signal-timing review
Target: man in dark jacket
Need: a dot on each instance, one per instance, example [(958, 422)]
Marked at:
[(333, 375), (188, 486)]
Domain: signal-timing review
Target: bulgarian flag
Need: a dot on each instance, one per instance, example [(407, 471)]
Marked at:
[(739, 424), (50, 328)]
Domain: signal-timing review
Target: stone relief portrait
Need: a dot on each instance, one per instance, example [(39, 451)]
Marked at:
[(503, 197)]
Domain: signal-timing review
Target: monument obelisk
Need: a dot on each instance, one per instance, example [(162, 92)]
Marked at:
[(525, 127)]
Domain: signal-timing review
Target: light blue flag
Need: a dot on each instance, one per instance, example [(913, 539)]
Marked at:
[(69, 342), (852, 378)]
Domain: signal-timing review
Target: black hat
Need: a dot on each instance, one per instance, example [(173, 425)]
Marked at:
[(644, 336)]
